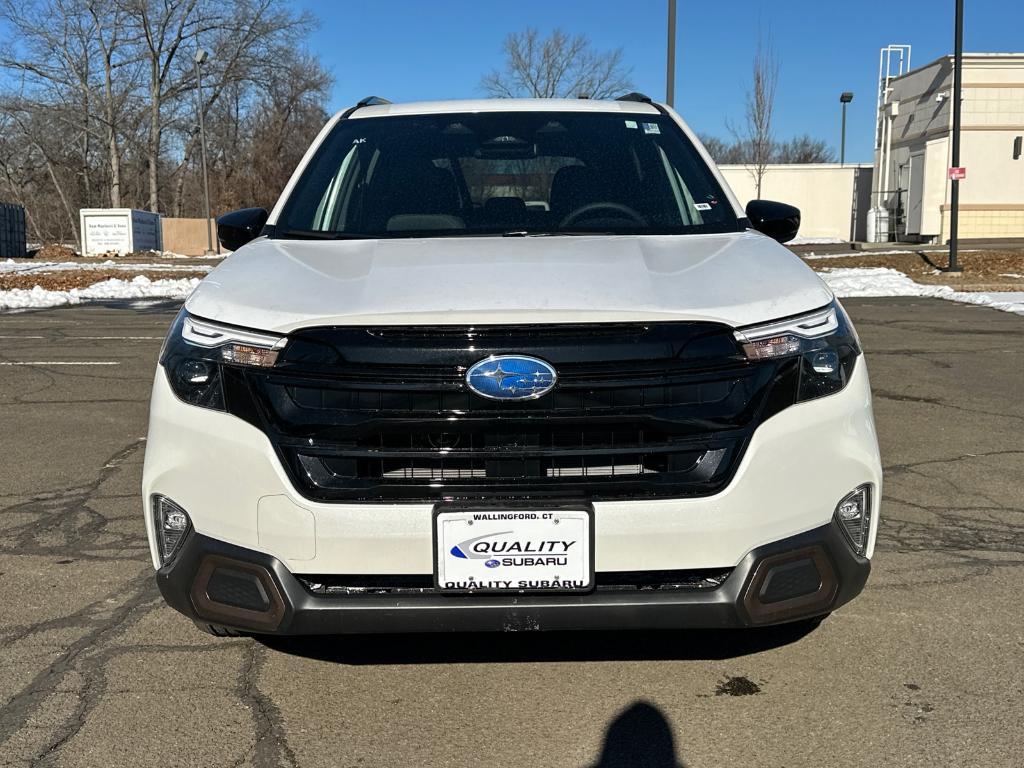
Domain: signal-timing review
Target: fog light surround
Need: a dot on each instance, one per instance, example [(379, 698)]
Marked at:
[(853, 514), (171, 525)]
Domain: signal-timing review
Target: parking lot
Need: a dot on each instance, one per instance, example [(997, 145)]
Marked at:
[(923, 669)]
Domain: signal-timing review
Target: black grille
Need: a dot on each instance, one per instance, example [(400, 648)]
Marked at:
[(413, 585), (790, 580), (638, 411), (237, 588)]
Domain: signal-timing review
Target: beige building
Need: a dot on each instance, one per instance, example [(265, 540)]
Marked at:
[(914, 149)]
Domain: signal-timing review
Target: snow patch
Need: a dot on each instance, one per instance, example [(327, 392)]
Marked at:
[(172, 255), (817, 241), (846, 254), (20, 267), (140, 287), (883, 281)]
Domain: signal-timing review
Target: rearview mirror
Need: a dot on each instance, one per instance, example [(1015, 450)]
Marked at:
[(777, 220), (237, 228)]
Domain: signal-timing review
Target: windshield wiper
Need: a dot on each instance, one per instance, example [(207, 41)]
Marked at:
[(555, 233), (314, 234)]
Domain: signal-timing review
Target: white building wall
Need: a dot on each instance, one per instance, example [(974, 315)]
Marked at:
[(824, 193)]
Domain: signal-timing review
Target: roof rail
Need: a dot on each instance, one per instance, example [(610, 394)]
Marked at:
[(635, 96), (372, 101)]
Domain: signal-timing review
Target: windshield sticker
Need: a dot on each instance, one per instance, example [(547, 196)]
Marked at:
[(651, 128), (702, 206), (631, 123)]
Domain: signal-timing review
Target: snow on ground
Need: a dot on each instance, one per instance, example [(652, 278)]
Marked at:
[(817, 241), (140, 287), (20, 267), (172, 255), (883, 281), (847, 254)]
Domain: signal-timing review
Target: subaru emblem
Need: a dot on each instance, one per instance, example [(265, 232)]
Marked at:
[(511, 377)]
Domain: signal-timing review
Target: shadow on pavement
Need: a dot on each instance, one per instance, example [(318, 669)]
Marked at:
[(639, 736), (482, 648)]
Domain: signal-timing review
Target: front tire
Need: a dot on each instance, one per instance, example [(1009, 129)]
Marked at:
[(217, 630)]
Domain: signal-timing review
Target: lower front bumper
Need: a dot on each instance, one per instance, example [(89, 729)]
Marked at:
[(211, 581)]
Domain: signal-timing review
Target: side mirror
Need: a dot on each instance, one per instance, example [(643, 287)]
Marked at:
[(237, 228), (777, 220)]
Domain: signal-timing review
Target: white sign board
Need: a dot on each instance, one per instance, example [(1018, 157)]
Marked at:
[(119, 230)]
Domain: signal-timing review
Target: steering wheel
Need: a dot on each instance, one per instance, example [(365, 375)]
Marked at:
[(585, 210)]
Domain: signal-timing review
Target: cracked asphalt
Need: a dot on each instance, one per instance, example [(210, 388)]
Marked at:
[(925, 668)]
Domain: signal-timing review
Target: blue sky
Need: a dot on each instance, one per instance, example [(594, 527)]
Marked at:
[(427, 49)]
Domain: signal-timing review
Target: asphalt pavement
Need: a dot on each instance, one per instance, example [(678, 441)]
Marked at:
[(925, 668)]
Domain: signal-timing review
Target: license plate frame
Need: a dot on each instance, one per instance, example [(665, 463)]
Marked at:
[(581, 511)]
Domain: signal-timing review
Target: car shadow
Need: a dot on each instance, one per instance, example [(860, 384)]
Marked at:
[(533, 647)]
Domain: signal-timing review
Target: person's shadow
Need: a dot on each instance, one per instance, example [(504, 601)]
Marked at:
[(640, 737)]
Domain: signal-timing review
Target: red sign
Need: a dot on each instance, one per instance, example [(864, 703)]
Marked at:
[(957, 174)]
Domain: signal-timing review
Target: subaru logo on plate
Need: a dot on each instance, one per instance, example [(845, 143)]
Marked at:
[(511, 377)]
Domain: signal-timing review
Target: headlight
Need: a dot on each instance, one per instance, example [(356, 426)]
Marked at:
[(195, 351), (824, 341)]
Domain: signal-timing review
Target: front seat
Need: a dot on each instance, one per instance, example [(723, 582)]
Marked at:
[(575, 186), (422, 196)]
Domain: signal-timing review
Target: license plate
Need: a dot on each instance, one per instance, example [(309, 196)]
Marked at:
[(514, 550)]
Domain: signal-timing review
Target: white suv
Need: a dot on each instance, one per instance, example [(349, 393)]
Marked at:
[(502, 365)]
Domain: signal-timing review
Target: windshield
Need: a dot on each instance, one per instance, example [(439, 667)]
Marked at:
[(520, 173)]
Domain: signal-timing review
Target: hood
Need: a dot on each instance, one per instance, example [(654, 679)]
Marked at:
[(282, 285)]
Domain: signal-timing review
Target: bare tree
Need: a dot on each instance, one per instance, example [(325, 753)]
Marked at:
[(108, 24), (257, 53), (724, 152), (798, 150), (755, 134), (557, 66), (97, 104), (804, 149), (163, 25)]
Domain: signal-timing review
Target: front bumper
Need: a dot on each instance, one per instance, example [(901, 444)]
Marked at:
[(225, 474), (212, 581)]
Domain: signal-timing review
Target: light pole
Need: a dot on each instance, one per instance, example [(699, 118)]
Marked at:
[(844, 98), (200, 59), (954, 196), (670, 74)]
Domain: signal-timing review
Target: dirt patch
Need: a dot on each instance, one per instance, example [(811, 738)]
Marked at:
[(1001, 270), (55, 253), (67, 279)]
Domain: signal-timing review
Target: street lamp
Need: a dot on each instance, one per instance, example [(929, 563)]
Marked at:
[(954, 194), (670, 74), (200, 59), (844, 98)]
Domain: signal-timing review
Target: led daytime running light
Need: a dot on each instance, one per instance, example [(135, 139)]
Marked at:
[(782, 338), (235, 345)]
